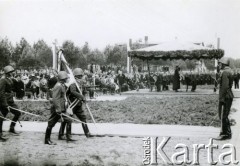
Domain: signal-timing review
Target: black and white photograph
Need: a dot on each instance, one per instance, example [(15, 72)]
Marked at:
[(119, 82)]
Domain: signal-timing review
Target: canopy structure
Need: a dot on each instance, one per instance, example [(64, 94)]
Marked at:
[(176, 50)]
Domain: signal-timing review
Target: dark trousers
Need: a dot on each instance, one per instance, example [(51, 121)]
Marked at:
[(79, 112), (224, 110), (91, 92), (236, 83), (120, 88), (159, 87), (54, 118), (4, 112)]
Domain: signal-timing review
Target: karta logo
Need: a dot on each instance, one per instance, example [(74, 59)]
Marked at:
[(151, 150)]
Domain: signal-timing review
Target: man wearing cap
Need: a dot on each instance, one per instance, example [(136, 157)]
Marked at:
[(6, 101), (77, 110), (225, 98), (59, 106)]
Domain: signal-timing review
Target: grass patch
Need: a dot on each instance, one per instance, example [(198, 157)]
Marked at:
[(183, 110)]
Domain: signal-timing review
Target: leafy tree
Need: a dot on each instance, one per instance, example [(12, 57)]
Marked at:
[(74, 55), (5, 52), (95, 57), (30, 62), (22, 50), (85, 49), (43, 52), (82, 62), (116, 55)]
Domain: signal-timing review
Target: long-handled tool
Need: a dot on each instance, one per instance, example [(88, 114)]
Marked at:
[(10, 120), (23, 111), (73, 118), (70, 72)]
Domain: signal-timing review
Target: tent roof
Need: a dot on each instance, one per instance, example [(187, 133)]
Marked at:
[(176, 50)]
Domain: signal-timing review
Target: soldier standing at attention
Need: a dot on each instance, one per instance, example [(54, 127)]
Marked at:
[(77, 110), (59, 101), (225, 98), (6, 100)]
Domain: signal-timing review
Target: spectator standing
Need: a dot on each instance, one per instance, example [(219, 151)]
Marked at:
[(236, 80), (176, 79), (120, 80), (19, 88)]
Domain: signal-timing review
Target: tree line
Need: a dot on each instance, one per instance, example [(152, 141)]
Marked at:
[(39, 55), (22, 55)]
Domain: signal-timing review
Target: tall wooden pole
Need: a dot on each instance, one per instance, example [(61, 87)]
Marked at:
[(216, 60)]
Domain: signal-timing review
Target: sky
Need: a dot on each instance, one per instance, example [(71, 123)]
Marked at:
[(103, 22)]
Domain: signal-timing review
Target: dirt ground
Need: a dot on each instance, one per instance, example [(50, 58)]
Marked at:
[(28, 149)]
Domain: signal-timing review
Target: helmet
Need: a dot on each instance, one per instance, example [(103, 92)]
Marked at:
[(224, 60), (77, 72), (62, 75), (8, 69)]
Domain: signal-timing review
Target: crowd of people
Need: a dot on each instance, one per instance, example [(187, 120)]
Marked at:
[(35, 84), (62, 97)]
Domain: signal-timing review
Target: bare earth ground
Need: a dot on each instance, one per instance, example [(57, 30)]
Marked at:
[(28, 149)]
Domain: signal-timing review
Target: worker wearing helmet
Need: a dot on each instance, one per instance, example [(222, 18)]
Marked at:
[(59, 106), (225, 98), (7, 102), (77, 110)]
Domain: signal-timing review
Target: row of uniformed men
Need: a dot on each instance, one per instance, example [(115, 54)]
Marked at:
[(58, 108)]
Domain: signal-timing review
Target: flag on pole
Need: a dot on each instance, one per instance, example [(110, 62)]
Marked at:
[(72, 78)]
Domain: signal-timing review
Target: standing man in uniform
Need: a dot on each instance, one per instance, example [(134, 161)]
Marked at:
[(59, 106), (225, 98), (6, 101), (77, 110)]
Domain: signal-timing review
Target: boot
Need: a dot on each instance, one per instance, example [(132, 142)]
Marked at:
[(2, 138), (12, 130), (61, 131), (47, 137), (86, 130), (68, 133)]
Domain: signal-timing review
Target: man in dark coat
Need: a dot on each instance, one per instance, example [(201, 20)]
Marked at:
[(187, 81), (225, 98), (176, 79), (6, 101), (159, 82), (151, 82), (236, 80), (19, 87)]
